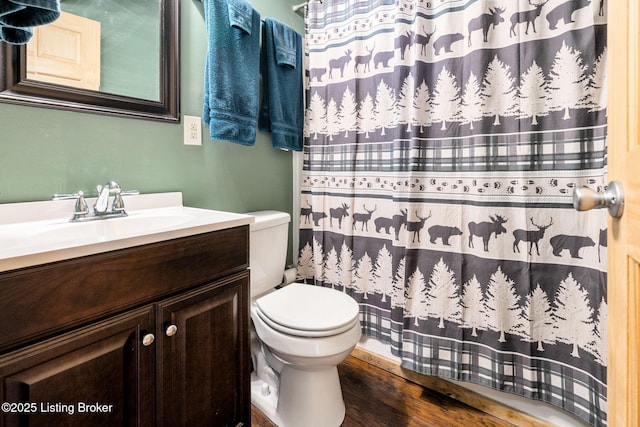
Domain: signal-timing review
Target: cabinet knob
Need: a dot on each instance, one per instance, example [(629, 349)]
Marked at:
[(171, 330), (148, 339)]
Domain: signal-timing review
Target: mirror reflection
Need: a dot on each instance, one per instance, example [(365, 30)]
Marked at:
[(127, 65), (108, 46)]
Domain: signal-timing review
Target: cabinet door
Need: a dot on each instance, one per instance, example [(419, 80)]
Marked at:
[(98, 375), (203, 366), (66, 52)]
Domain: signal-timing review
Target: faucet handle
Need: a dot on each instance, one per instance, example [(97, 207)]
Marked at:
[(80, 209), (66, 196), (118, 204)]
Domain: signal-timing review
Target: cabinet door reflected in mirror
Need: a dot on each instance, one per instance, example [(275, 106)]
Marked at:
[(66, 52)]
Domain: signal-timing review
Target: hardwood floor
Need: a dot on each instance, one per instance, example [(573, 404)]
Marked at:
[(377, 398)]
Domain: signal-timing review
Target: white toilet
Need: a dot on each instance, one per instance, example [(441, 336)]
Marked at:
[(300, 334)]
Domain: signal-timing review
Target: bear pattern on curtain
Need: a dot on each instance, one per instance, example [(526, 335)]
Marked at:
[(443, 142)]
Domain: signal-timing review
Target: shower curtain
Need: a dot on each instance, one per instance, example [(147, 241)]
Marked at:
[(443, 142)]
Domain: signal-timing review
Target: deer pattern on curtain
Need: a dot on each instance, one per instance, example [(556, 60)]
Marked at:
[(443, 142)]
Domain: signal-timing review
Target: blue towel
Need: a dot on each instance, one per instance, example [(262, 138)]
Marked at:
[(232, 70), (282, 108), (241, 15), (18, 17)]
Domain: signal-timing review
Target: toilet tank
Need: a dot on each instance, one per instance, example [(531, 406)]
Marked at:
[(268, 243)]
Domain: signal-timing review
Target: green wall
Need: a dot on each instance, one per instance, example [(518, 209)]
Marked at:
[(46, 151)]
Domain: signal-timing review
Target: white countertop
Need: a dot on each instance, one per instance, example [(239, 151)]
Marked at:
[(33, 233)]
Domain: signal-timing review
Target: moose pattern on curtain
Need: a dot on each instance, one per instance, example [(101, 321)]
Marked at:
[(443, 142)]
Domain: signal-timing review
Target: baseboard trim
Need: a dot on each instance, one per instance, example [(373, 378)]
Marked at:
[(452, 390)]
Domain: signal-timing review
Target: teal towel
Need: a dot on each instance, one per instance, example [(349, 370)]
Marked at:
[(18, 17), (232, 70), (13, 35), (282, 108), (241, 15), (285, 43)]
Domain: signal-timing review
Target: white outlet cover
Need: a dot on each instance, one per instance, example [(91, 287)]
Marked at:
[(192, 130)]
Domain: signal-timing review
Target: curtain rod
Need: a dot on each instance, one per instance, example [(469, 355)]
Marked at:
[(297, 7)]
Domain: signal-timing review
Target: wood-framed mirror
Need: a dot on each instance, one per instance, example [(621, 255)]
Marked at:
[(141, 83)]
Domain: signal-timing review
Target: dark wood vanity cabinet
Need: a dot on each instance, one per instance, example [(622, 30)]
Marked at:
[(203, 369), (74, 353), (49, 383)]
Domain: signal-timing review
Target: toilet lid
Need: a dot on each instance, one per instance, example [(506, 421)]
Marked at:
[(309, 310)]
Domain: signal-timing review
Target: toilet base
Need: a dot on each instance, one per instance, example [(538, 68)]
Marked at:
[(313, 395), (265, 398), (306, 398)]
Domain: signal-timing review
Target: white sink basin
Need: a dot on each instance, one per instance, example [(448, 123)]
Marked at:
[(154, 218), (137, 224)]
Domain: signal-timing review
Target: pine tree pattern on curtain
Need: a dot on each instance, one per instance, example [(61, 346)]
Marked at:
[(443, 142)]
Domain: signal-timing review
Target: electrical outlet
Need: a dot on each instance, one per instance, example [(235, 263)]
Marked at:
[(192, 130)]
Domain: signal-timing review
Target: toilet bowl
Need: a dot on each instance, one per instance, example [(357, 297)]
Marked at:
[(305, 357), (300, 333)]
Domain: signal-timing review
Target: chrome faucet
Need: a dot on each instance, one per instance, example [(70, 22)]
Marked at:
[(102, 203), (101, 208)]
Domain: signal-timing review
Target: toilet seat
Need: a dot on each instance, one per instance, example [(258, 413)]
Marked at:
[(308, 311), (305, 333)]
